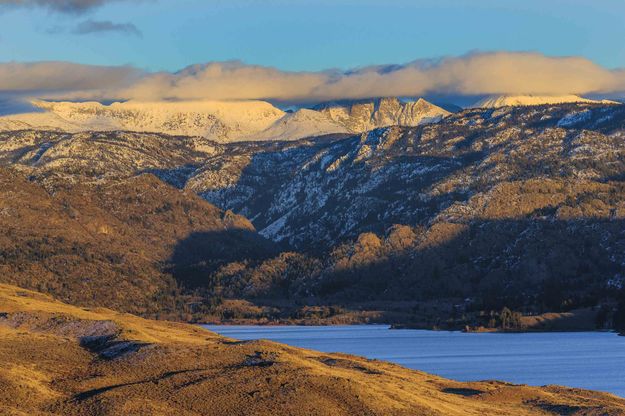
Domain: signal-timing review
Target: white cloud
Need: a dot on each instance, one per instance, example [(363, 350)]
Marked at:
[(64, 78), (480, 74), (228, 81), (473, 74)]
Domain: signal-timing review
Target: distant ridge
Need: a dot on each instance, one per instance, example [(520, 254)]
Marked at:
[(529, 100)]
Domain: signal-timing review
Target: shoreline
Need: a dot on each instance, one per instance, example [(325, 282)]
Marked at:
[(577, 320), (396, 327)]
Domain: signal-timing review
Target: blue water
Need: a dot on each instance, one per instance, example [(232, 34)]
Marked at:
[(591, 360)]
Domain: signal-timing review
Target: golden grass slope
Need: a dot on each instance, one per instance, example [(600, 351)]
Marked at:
[(63, 360)]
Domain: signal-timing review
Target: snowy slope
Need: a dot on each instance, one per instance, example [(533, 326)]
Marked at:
[(39, 121), (220, 121), (527, 100), (300, 124)]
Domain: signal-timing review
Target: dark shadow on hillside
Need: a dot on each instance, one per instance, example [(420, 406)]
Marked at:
[(504, 262), (176, 177), (531, 265), (201, 253)]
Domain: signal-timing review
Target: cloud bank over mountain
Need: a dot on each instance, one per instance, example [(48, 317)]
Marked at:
[(469, 75), (64, 79)]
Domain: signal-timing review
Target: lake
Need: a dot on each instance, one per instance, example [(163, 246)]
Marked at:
[(591, 360)]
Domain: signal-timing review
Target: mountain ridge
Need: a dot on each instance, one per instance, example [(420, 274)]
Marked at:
[(496, 101), (221, 121)]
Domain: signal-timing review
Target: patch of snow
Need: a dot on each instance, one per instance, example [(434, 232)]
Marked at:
[(575, 118)]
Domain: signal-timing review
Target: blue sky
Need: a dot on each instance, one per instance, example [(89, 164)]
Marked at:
[(313, 35), (307, 51)]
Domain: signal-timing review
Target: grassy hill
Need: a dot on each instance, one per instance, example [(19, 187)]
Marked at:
[(60, 359)]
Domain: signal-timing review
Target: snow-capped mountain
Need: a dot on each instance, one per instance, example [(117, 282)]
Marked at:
[(362, 116), (223, 121), (218, 120), (528, 100)]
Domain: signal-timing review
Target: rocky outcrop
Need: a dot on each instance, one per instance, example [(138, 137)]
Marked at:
[(362, 116)]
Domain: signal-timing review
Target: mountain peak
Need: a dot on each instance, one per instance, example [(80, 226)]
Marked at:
[(363, 115)]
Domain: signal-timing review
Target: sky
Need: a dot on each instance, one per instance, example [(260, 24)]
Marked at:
[(319, 40)]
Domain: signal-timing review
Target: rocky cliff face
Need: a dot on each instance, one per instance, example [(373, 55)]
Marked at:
[(362, 116)]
